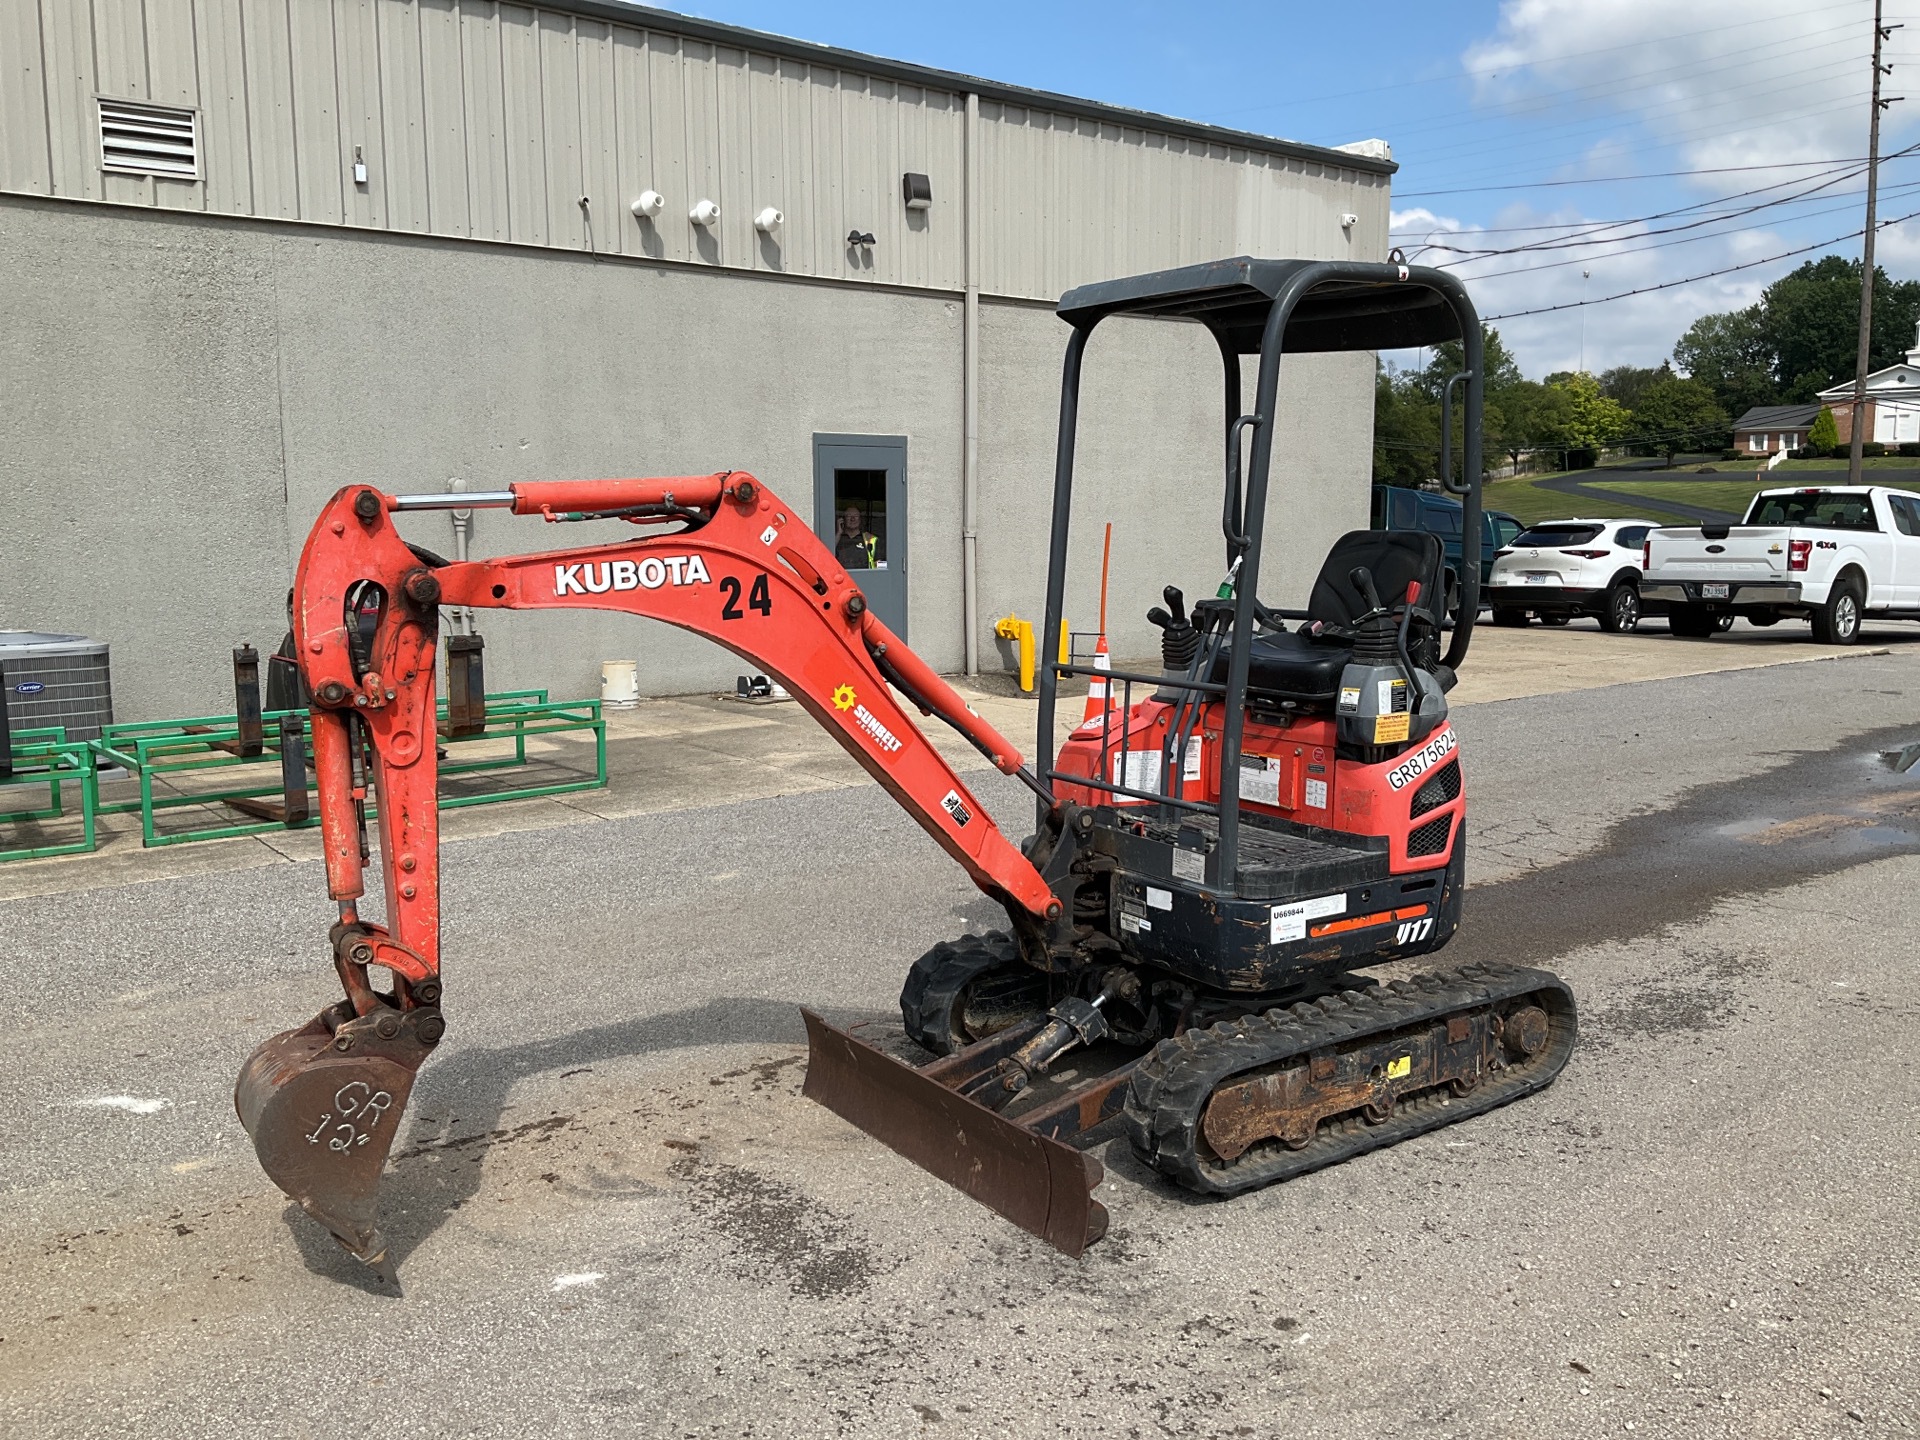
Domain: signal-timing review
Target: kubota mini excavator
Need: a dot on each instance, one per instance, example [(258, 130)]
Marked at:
[(1209, 862)]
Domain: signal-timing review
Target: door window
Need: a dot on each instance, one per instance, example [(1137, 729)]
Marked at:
[(1633, 537), (860, 514), (860, 518)]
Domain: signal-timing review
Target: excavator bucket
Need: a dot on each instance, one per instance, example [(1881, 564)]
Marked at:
[(323, 1104), (1040, 1184)]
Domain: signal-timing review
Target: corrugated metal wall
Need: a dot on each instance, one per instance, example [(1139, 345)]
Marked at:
[(492, 121)]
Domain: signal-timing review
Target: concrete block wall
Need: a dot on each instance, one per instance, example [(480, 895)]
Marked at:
[(185, 391)]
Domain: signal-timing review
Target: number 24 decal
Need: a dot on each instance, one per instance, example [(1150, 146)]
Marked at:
[(1413, 931), (759, 598)]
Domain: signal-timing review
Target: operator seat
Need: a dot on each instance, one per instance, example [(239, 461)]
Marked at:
[(1298, 667)]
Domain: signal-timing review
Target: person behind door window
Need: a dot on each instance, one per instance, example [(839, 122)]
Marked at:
[(854, 546)]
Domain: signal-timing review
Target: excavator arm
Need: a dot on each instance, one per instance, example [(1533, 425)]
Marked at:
[(737, 566)]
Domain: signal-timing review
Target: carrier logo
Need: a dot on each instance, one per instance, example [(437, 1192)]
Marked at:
[(957, 808), (29, 687), (1422, 760), (649, 574)]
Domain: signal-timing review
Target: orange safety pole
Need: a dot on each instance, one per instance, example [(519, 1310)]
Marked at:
[(1106, 556)]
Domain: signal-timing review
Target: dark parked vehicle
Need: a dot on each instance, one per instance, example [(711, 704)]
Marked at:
[(1397, 508)]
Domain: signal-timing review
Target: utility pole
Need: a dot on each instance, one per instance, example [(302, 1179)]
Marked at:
[(1857, 438)]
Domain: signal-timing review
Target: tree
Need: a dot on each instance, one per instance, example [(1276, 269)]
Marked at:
[(1674, 413), (1593, 421), (1406, 431), (1499, 369), (1824, 433), (1732, 356), (1627, 383), (1801, 337), (1811, 320), (1527, 416)]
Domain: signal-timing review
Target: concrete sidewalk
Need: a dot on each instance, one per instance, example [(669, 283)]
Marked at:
[(687, 752)]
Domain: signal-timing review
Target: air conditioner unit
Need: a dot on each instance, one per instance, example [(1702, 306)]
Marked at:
[(55, 680)]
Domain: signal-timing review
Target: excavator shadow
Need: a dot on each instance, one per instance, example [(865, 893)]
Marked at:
[(437, 1169)]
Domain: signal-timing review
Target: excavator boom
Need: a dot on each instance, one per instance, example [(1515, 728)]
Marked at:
[(719, 555)]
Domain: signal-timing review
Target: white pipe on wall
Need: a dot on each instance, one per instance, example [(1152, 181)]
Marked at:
[(970, 394)]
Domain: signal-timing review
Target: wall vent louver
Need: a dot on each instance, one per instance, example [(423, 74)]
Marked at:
[(140, 139)]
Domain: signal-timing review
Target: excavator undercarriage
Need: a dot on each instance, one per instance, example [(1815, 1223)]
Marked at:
[(1211, 864)]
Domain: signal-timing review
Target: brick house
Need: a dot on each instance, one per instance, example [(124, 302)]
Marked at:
[(1766, 429)]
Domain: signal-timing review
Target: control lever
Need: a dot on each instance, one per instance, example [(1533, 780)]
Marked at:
[(1400, 638), (1361, 579)]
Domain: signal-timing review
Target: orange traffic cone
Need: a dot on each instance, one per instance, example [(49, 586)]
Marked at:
[(1099, 688)]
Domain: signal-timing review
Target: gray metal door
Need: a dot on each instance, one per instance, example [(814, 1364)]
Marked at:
[(860, 513)]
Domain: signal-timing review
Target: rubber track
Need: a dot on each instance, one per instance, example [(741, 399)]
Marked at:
[(937, 979), (1169, 1092)]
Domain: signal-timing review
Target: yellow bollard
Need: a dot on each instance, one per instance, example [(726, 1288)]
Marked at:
[(1012, 627)]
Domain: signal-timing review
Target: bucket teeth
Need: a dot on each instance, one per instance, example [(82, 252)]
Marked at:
[(323, 1105)]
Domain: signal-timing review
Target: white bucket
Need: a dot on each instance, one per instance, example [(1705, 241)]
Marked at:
[(619, 684)]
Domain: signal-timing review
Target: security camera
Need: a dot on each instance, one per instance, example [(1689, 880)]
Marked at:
[(1347, 222)]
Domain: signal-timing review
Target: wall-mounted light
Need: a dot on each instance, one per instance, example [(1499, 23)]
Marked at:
[(917, 191), (768, 220), (649, 205), (854, 237), (704, 213)]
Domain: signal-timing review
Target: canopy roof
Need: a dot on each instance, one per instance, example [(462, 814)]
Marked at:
[(1363, 306)]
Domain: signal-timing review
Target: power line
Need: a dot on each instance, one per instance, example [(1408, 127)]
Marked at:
[(1691, 279), (1620, 179), (1659, 245), (1740, 131), (1577, 241), (1575, 237)]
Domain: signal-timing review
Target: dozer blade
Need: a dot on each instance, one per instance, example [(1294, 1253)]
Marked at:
[(323, 1104), (1041, 1185)]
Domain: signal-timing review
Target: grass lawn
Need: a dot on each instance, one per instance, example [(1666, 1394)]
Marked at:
[(1732, 496), (1868, 462), (1530, 503)]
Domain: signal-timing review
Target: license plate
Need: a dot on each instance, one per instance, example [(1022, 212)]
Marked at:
[(1713, 592), (1538, 579)]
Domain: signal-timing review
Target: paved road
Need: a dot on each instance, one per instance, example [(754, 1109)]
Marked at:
[(616, 1216), (1590, 486)]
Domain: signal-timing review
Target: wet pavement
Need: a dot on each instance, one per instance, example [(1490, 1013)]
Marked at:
[(617, 1216)]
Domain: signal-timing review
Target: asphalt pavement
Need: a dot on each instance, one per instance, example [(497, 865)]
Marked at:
[(615, 1215)]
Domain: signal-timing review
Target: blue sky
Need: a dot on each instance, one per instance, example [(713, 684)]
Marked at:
[(1509, 120)]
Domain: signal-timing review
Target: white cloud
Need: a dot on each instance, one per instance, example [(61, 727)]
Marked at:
[(1726, 82), (1636, 86)]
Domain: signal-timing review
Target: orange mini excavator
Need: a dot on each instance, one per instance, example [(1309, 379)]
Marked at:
[(1211, 859)]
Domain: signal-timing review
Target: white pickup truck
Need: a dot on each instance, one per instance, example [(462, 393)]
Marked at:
[(1833, 555)]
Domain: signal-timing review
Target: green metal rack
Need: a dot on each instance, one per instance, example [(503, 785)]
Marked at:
[(163, 753), (44, 756)]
